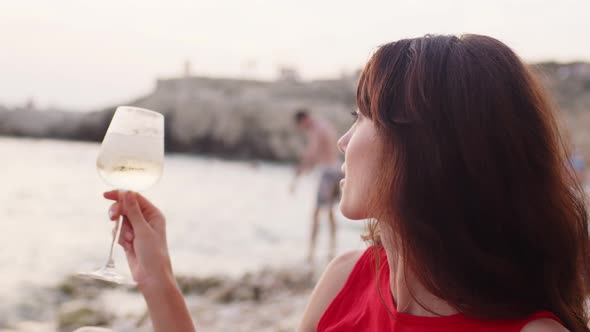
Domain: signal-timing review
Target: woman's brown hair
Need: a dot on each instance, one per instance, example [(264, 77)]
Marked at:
[(475, 189)]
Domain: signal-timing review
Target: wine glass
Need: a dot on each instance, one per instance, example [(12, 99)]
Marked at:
[(131, 157)]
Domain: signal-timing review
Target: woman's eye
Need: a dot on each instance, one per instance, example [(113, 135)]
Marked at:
[(355, 116)]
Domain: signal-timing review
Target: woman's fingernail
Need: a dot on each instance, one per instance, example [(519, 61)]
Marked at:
[(111, 213)]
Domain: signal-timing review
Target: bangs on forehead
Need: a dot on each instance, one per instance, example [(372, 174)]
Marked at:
[(363, 91), (389, 84)]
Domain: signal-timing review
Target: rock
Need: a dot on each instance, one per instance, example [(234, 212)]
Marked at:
[(247, 119), (229, 118), (199, 285), (76, 287), (235, 291), (271, 299), (78, 313), (30, 326)]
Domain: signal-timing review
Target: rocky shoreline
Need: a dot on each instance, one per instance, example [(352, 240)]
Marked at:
[(250, 120), (271, 299)]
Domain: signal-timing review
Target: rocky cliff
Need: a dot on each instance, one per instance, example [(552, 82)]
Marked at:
[(253, 119)]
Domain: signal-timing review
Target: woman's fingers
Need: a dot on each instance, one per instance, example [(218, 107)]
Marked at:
[(147, 210), (152, 214), (128, 205), (127, 234), (145, 204), (112, 195), (133, 212), (115, 211)]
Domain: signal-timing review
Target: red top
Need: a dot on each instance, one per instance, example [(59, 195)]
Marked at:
[(358, 308)]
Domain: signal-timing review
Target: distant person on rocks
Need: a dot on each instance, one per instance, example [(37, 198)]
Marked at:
[(321, 151), (579, 165)]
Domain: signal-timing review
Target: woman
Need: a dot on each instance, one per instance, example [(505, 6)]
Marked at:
[(456, 158)]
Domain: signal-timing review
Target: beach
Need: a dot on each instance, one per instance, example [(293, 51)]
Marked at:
[(226, 219)]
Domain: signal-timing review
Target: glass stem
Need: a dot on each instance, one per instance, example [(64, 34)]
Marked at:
[(110, 262)]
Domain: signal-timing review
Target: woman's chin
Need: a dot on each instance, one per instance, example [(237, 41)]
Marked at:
[(351, 212)]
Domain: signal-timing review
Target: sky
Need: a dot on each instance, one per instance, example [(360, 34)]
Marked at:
[(84, 55)]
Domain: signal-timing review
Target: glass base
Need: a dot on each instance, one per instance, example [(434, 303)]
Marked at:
[(109, 275)]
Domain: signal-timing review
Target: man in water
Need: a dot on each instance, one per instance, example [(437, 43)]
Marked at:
[(322, 151)]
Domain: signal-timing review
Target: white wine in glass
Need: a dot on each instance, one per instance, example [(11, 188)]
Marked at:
[(131, 158)]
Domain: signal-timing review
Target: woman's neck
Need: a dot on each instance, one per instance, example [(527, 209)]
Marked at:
[(409, 294)]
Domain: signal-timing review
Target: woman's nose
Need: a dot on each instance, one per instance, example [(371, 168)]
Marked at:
[(343, 142)]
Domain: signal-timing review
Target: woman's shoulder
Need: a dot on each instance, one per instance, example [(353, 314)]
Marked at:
[(343, 263), (329, 285), (543, 325)]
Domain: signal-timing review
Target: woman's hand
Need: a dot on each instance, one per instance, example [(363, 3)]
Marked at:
[(143, 236)]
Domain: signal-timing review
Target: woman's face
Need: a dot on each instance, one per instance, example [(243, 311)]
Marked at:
[(360, 148)]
